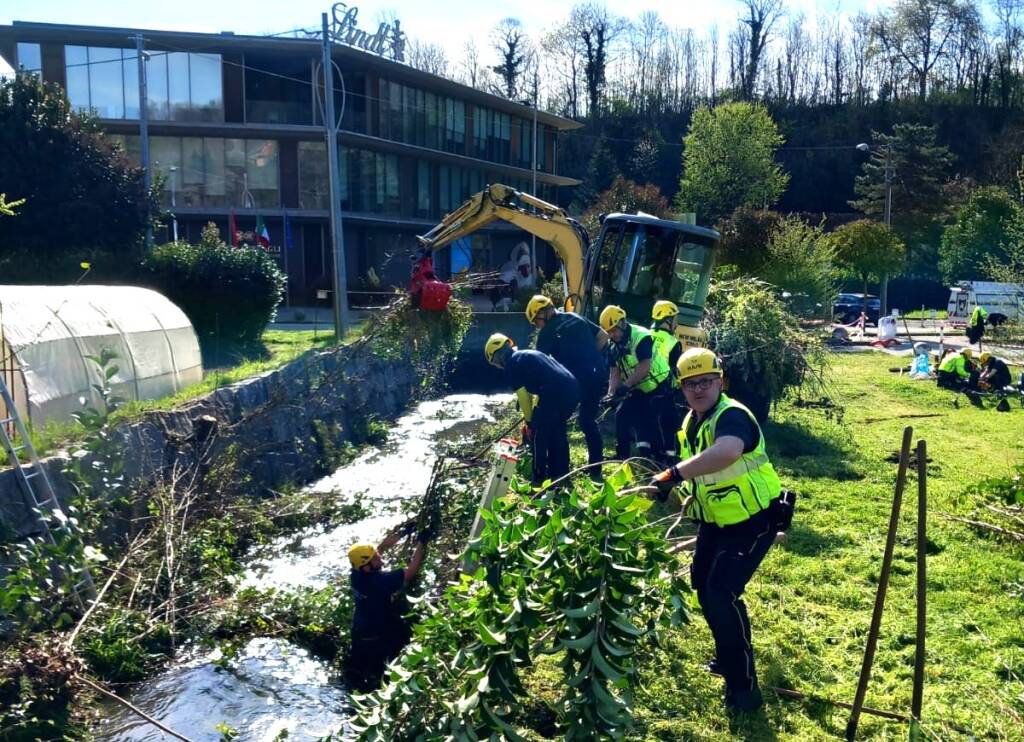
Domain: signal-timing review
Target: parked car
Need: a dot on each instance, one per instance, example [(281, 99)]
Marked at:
[(847, 308)]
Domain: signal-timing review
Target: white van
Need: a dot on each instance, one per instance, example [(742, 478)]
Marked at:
[(1003, 301)]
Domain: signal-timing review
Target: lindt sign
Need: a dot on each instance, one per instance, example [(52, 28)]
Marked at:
[(389, 40)]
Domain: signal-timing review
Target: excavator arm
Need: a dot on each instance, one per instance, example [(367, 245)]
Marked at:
[(566, 236)]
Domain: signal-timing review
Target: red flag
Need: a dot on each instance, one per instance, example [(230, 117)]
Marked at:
[(233, 229)]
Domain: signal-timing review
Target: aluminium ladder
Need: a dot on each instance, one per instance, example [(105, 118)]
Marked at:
[(39, 493)]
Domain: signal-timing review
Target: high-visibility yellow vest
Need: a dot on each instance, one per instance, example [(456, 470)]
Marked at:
[(628, 361), (740, 490), (979, 315), (955, 363), (664, 343)]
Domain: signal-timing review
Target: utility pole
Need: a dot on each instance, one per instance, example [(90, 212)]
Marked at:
[(337, 238), (147, 179), (883, 288), (533, 250)]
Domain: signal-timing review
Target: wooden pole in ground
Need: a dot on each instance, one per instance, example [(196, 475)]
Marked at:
[(922, 583), (883, 584)]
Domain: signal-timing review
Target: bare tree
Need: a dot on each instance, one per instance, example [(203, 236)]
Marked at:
[(511, 44), (1008, 46), (428, 57), (469, 67), (759, 16), (597, 29)]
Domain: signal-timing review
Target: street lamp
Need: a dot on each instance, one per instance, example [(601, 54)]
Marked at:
[(174, 216), (883, 288)]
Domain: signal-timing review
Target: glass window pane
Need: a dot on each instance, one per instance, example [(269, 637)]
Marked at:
[(213, 164), (106, 83), (177, 85), (423, 189), (76, 65), (165, 153), (261, 170), (234, 171), (192, 174), (30, 58), (207, 87), (130, 83), (346, 161), (156, 86), (313, 187)]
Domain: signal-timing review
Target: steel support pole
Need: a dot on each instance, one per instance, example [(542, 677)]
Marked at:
[(337, 236), (883, 288), (147, 179), (922, 579), (533, 251)]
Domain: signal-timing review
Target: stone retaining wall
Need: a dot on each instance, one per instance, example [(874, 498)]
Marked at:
[(275, 422)]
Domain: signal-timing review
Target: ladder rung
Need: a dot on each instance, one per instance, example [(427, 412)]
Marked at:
[(31, 474), (6, 420)]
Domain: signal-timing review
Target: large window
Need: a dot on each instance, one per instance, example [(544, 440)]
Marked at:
[(29, 58), (492, 135), (456, 184), (416, 117), (180, 86), (278, 89), (314, 188), (370, 182)]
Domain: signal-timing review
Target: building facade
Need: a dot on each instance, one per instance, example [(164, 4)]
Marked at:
[(236, 134)]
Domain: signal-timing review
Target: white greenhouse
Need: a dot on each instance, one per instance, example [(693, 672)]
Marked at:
[(47, 334)]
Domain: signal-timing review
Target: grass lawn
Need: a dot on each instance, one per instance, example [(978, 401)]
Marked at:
[(279, 347), (927, 314), (811, 600)]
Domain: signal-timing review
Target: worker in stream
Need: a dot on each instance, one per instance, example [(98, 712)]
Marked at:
[(638, 382), (736, 497), (379, 629), (664, 319), (533, 374), (578, 344)]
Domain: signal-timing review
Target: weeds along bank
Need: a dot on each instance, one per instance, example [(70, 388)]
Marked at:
[(160, 508)]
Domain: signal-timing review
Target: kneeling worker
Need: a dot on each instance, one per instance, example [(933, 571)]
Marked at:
[(576, 343), (529, 373), (734, 494), (379, 631), (957, 371), (639, 381), (995, 374)]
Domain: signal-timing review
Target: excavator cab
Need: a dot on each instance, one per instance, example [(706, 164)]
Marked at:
[(639, 259)]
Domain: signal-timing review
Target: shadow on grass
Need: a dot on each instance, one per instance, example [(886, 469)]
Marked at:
[(806, 453), (753, 727), (804, 541)]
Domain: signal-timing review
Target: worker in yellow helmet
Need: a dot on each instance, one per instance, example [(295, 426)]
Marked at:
[(379, 631), (664, 320), (736, 497), (534, 375), (957, 371), (639, 381), (576, 343)]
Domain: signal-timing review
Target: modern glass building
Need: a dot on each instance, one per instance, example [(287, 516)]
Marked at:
[(236, 129)]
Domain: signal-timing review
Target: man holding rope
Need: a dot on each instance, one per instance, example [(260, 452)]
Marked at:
[(736, 496)]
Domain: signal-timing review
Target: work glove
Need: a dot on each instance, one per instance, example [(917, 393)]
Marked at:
[(665, 481), (527, 433)]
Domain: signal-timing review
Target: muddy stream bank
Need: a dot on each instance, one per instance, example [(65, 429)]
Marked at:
[(274, 689)]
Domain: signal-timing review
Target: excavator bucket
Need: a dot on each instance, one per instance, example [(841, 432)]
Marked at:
[(426, 290)]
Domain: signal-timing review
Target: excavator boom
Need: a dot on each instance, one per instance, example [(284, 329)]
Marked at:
[(548, 222)]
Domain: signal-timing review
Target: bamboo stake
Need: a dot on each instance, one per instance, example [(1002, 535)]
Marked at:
[(134, 709), (883, 584), (922, 584)]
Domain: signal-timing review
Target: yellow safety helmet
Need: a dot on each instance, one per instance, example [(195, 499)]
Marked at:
[(697, 362), (984, 357), (664, 309), (533, 307), (494, 343), (361, 554), (967, 353), (611, 315)]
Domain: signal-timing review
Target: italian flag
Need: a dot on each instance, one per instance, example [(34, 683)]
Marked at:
[(262, 235)]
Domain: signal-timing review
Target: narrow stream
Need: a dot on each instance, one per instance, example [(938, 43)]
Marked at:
[(274, 689)]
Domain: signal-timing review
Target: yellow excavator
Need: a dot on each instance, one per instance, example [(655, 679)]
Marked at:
[(636, 260)]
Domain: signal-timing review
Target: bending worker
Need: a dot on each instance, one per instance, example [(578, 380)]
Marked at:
[(638, 381), (957, 371), (995, 374), (379, 631), (576, 343), (530, 373), (734, 495), (665, 318)]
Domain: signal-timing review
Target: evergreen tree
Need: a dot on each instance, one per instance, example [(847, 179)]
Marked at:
[(982, 231)]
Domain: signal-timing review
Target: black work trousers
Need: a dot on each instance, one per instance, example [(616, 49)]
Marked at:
[(636, 419), (669, 410), (551, 438), (724, 561)]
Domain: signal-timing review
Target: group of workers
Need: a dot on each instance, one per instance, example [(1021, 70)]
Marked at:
[(716, 455), (959, 371)]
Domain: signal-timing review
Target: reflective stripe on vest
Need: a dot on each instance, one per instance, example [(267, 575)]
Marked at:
[(628, 361), (664, 343), (740, 490)]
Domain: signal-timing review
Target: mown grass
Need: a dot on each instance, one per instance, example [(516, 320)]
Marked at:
[(811, 600), (927, 314), (277, 348)]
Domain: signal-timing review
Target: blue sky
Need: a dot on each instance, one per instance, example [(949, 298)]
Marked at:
[(449, 22)]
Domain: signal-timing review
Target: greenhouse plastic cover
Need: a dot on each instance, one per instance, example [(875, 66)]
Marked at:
[(51, 331)]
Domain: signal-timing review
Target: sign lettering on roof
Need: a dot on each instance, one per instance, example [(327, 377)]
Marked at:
[(388, 41)]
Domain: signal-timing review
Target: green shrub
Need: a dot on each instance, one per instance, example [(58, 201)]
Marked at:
[(125, 646), (229, 293)]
